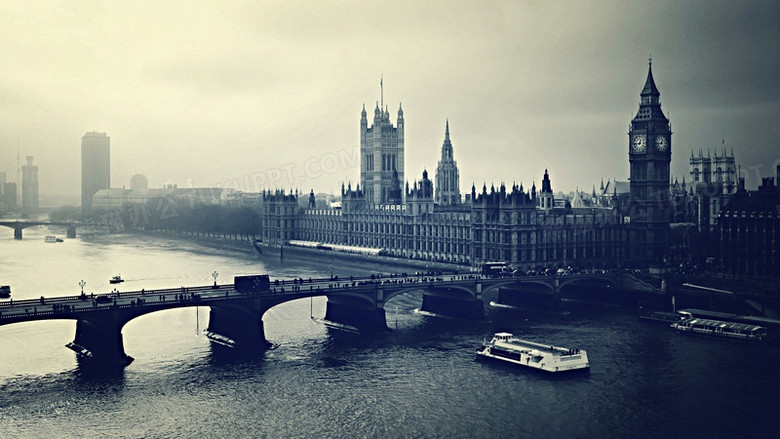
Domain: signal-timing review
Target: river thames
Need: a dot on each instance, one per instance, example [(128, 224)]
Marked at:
[(419, 380)]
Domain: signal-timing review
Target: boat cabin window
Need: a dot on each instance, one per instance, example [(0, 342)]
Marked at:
[(503, 336)]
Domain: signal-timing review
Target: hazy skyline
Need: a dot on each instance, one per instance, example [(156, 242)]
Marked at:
[(205, 93)]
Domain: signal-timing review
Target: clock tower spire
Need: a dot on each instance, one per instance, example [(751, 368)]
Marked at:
[(649, 156)]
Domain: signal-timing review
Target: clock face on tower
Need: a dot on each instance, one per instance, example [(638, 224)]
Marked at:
[(638, 143), (660, 143)]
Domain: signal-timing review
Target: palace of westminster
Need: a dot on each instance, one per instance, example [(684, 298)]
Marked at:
[(647, 221)]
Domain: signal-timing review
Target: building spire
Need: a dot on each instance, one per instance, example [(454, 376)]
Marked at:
[(650, 89), (382, 90)]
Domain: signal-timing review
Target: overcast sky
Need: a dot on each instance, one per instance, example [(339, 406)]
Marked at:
[(269, 93)]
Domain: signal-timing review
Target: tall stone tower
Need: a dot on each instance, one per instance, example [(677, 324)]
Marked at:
[(649, 156), (447, 179), (381, 154), (546, 196)]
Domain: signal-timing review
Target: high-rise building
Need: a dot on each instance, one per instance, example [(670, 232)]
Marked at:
[(649, 155), (139, 181), (9, 195), (447, 178), (95, 166), (382, 156), (29, 186)]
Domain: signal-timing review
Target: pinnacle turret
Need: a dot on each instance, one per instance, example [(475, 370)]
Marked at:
[(650, 89)]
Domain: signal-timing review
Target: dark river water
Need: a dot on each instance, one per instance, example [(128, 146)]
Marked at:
[(420, 380)]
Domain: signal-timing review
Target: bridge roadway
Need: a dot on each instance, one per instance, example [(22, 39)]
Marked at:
[(236, 316), (19, 225)]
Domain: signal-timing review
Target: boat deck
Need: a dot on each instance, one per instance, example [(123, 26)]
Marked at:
[(525, 345), (733, 326)]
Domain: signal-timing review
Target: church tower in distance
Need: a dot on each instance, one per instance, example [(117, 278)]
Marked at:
[(649, 156)]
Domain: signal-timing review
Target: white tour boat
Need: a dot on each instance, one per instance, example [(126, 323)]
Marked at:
[(50, 238), (719, 328), (535, 355)]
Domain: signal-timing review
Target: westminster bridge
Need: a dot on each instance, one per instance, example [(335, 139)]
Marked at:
[(19, 225), (236, 312)]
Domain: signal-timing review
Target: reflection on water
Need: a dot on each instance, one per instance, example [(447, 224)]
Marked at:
[(421, 380)]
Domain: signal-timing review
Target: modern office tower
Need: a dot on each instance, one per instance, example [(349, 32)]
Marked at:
[(95, 166), (29, 186), (649, 155), (9, 195), (447, 181), (139, 181)]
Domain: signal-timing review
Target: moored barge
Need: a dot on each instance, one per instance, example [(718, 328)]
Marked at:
[(719, 328)]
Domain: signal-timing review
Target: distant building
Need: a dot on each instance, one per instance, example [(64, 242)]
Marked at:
[(714, 182), (30, 198), (116, 198), (95, 166), (2, 189), (447, 178), (718, 169), (9, 195), (139, 181)]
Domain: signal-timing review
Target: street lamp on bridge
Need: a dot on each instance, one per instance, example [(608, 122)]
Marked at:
[(214, 275), (81, 284)]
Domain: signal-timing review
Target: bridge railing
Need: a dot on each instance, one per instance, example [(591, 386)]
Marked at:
[(367, 281), (87, 297)]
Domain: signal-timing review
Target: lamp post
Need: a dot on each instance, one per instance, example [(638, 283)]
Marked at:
[(214, 275), (81, 284)]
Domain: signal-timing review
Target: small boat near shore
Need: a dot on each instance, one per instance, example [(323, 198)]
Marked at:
[(51, 238), (116, 279), (503, 346), (5, 291), (720, 328), (662, 316)]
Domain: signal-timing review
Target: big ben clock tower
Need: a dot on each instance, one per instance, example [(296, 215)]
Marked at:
[(649, 155)]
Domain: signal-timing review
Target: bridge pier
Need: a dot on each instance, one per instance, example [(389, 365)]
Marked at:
[(17, 233), (453, 302), (238, 323), (359, 314), (100, 340), (71, 233)]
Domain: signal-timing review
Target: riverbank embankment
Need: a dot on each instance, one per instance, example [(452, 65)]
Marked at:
[(246, 245)]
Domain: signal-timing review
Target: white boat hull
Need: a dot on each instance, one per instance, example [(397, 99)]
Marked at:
[(534, 355)]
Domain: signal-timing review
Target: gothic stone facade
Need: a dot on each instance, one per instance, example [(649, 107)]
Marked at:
[(498, 225)]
